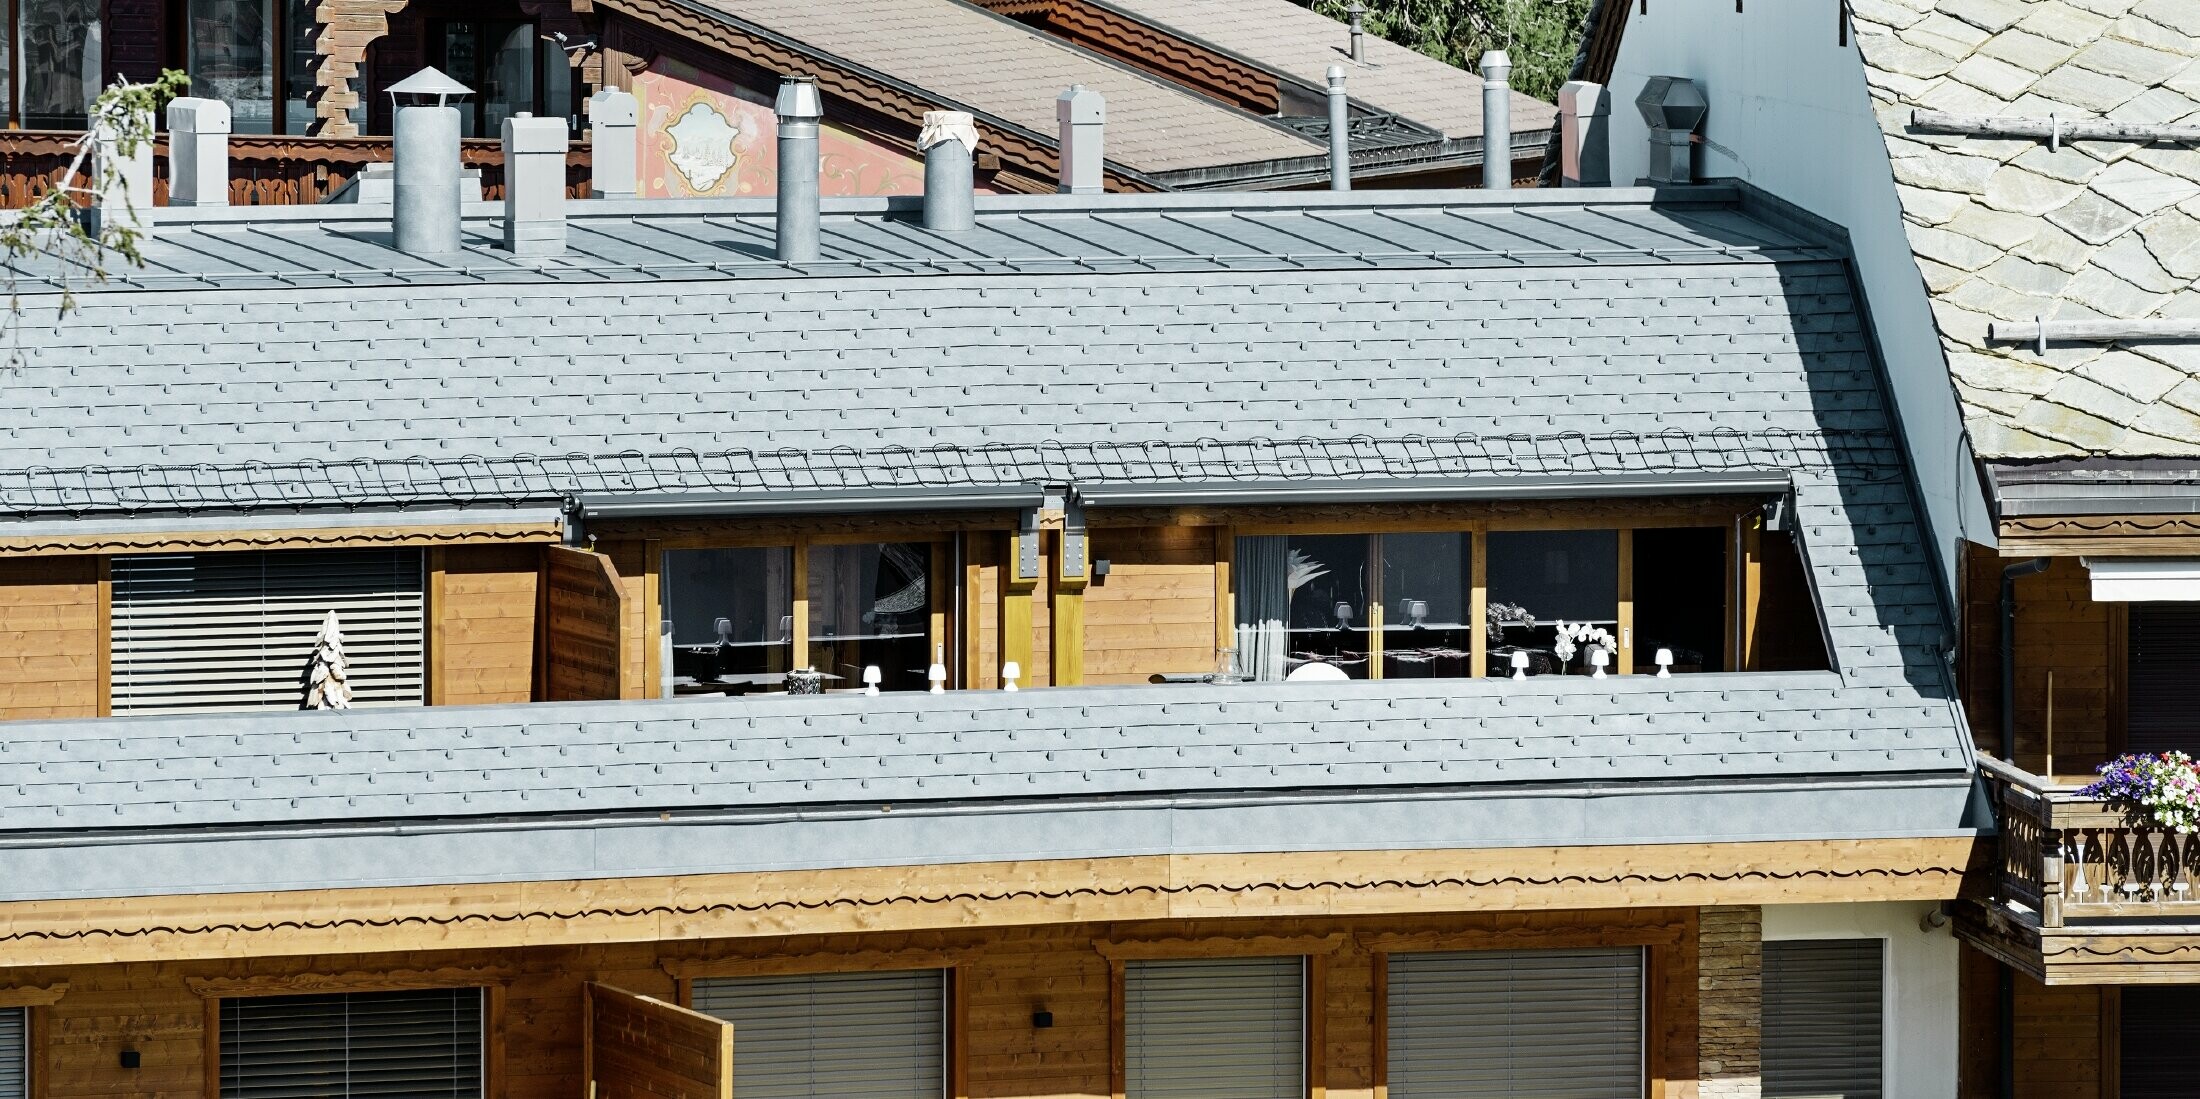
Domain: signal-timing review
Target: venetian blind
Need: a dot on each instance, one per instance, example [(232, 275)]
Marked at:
[(15, 1053), (1468, 1024), (2157, 1025), (223, 632), (420, 1044), (1215, 1028), (1822, 1035), (834, 1035), (2164, 677)]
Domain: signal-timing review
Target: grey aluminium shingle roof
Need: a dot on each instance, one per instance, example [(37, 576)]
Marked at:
[(1362, 339)]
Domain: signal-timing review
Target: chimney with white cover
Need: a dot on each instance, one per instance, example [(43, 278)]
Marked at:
[(198, 152), (1497, 121), (612, 118), (424, 208), (950, 145), (534, 185), (1080, 113), (798, 110)]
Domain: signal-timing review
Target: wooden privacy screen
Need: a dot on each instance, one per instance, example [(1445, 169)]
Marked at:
[(580, 625), (640, 1048)]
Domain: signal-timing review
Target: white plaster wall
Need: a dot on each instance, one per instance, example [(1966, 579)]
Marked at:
[(1790, 113), (1919, 1019)]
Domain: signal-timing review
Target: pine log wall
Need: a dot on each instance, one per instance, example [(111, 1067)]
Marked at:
[(483, 623), (2060, 630), (1001, 975), (51, 637), (1156, 611)]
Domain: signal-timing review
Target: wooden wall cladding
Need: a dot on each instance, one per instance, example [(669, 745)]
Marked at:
[(1001, 977), (1155, 611), (52, 637), (2060, 631), (585, 613), (485, 629), (639, 1047)]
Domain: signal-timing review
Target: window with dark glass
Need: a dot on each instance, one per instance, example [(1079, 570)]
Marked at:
[(419, 1044), (1680, 589), (871, 605), (59, 62), (510, 67), (728, 618), (1371, 605), (1553, 597), (230, 49)]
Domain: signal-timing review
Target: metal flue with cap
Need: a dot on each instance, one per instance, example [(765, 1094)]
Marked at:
[(424, 212), (798, 111), (1497, 138), (1673, 106), (950, 144)]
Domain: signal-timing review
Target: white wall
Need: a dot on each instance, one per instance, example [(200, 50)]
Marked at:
[(1791, 110), (1920, 1005)]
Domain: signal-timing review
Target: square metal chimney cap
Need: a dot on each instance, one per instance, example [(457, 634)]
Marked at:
[(1672, 103), (797, 99)]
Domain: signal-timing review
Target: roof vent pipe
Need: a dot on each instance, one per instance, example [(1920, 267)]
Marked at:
[(950, 144), (612, 151), (1079, 115), (534, 185), (198, 152), (1673, 107), (1497, 121), (1584, 131), (1357, 12), (798, 111), (424, 212), (1340, 132)]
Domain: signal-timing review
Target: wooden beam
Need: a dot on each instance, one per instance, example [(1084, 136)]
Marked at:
[(103, 641), (1226, 590), (432, 660), (1067, 616), (1016, 595), (1625, 658), (800, 657), (1478, 605)]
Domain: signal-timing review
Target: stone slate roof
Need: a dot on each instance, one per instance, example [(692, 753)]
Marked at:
[(1371, 339), (2006, 230)]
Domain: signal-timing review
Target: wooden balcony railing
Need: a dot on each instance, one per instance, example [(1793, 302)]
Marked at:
[(2074, 860), (263, 170)]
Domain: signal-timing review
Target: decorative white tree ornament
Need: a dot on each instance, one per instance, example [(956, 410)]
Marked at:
[(328, 678)]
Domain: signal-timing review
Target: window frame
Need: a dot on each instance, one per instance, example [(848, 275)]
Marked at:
[(494, 986), (29, 1065), (954, 993), (1313, 951)]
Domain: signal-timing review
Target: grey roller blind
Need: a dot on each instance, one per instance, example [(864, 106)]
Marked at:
[(222, 632), (1561, 1024), (15, 1053), (834, 1035), (1822, 1037), (2159, 1026), (423, 1044), (1221, 1028), (2163, 673)]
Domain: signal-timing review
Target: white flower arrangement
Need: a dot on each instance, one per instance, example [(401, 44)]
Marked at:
[(1576, 636)]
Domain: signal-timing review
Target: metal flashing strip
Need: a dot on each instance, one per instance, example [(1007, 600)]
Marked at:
[(1419, 489), (810, 502), (273, 520)]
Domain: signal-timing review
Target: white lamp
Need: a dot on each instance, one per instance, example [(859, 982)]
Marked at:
[(871, 679), (1665, 663), (937, 673), (1597, 660), (1520, 665), (1010, 672)]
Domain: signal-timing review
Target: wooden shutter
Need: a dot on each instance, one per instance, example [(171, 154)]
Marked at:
[(1469, 1024), (15, 1053), (834, 1035), (2163, 677), (1822, 1032), (222, 632), (1215, 1028), (423, 1044), (581, 625), (644, 1048)]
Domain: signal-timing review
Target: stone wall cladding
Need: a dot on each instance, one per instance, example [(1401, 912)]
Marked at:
[(1730, 999), (2006, 230)]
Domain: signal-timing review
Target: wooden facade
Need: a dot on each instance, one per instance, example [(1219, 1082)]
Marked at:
[(2069, 660)]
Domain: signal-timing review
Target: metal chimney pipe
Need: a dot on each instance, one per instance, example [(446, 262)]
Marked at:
[(534, 185), (424, 206), (1340, 133), (198, 152), (1672, 106), (950, 145), (1497, 159), (612, 115), (1584, 130), (1079, 115), (798, 111), (1356, 12)]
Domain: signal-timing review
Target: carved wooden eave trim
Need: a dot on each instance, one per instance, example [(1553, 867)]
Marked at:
[(823, 960), (159, 541), (1220, 946), (373, 980), (2099, 535), (33, 995), (1656, 929), (823, 902), (1034, 157)]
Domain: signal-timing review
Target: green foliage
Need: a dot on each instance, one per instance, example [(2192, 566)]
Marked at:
[(54, 226), (1541, 36)]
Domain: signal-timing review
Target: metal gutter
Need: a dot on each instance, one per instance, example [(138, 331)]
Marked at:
[(273, 518), (811, 501), (1409, 489)]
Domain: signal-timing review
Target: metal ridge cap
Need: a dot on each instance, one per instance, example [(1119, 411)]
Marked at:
[(870, 499), (1353, 489)]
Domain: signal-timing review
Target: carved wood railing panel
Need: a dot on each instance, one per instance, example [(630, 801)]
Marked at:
[(2074, 859), (263, 170)]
